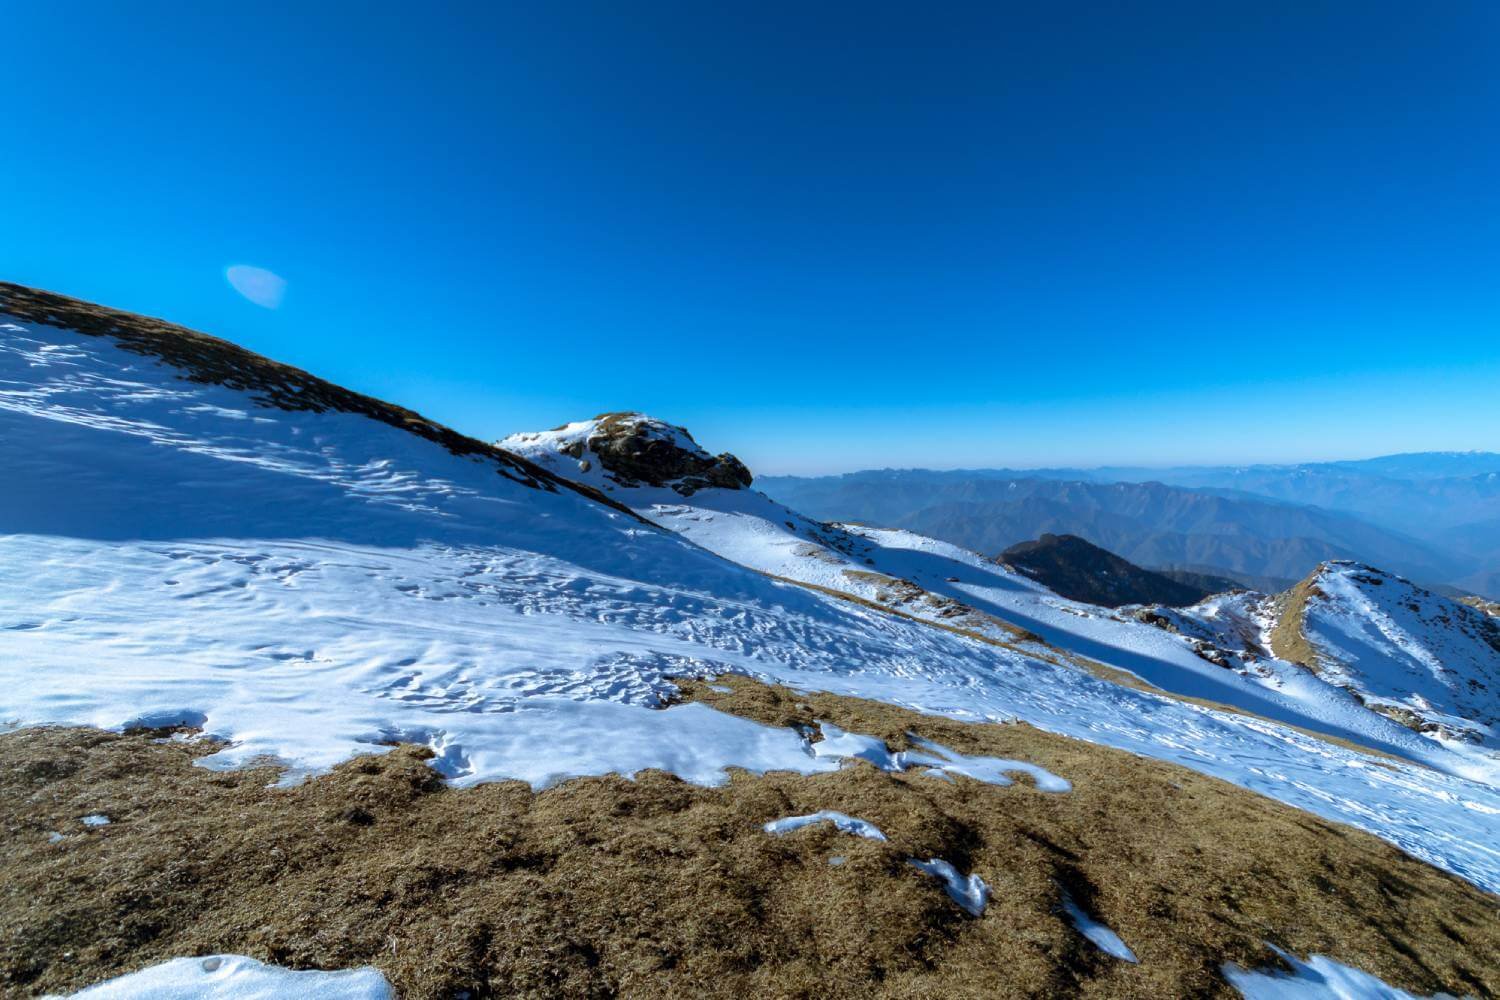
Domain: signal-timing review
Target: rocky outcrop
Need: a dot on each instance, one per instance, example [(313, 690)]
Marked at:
[(632, 449)]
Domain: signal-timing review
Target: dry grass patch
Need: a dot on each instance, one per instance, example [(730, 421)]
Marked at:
[(1288, 639), (654, 887)]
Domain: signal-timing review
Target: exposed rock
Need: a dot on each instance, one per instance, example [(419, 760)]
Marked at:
[(632, 449), (1491, 608)]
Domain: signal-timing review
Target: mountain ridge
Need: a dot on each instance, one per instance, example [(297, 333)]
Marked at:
[(1149, 524), (1427, 661), (876, 565), (332, 674)]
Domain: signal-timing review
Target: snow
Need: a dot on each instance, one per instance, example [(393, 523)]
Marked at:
[(1439, 817), (1399, 645), (988, 769), (1103, 938), (95, 820), (968, 891), (1318, 978), (846, 824), (235, 977), (838, 743), (310, 586), (1388, 643), (940, 760)]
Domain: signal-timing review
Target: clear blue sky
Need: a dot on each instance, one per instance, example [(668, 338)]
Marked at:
[(821, 236)]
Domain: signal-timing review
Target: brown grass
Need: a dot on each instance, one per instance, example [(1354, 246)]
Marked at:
[(1288, 639), (654, 887)]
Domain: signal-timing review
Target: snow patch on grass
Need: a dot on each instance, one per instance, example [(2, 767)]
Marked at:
[(940, 760), (1103, 938), (968, 891), (235, 977), (988, 769), (847, 824), (845, 745), (1318, 978)]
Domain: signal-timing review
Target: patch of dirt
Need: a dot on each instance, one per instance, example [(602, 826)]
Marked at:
[(653, 887), (210, 360)]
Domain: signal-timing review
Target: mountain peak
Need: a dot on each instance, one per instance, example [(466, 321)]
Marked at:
[(632, 449)]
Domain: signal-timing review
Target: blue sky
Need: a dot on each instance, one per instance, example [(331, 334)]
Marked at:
[(825, 239)]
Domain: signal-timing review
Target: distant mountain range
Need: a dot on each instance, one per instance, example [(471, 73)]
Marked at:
[(1434, 517)]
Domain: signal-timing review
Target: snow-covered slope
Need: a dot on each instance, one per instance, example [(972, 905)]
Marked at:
[(305, 575), (1425, 661), (943, 583), (1405, 651)]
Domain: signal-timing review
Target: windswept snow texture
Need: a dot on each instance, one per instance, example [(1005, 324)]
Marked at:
[(1318, 978), (1103, 938), (968, 891), (235, 977), (312, 585), (846, 824)]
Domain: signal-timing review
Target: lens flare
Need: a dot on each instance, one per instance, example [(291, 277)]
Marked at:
[(264, 288)]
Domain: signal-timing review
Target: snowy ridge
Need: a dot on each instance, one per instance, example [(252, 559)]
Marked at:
[(1423, 660), (1406, 650), (948, 585), (312, 585)]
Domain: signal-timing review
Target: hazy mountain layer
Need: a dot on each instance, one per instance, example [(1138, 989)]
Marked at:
[(1149, 524)]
